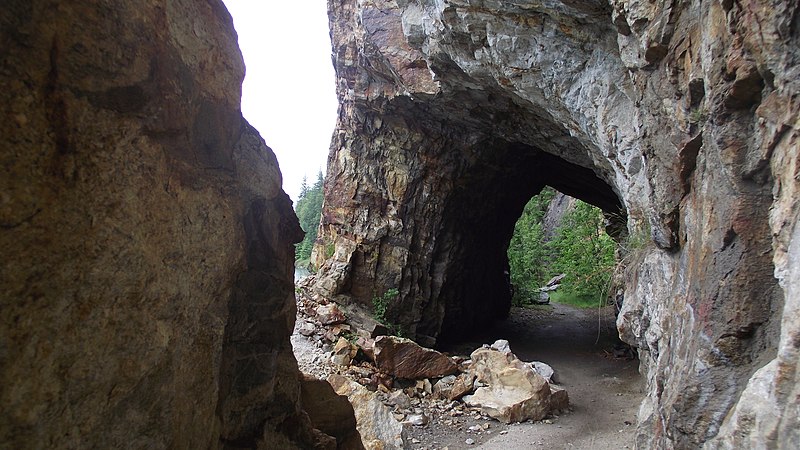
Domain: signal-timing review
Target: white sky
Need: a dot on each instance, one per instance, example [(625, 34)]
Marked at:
[(289, 90)]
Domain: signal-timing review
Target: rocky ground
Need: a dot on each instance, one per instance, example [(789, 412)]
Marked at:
[(604, 388)]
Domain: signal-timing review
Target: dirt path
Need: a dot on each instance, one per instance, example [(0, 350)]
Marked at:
[(604, 391)]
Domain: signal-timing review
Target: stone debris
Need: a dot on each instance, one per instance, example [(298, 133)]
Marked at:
[(330, 314), (343, 352), (404, 358), (397, 383)]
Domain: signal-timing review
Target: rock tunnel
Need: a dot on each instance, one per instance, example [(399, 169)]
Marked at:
[(454, 113), (146, 279)]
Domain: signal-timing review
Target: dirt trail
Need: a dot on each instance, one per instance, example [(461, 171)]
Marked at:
[(604, 392)]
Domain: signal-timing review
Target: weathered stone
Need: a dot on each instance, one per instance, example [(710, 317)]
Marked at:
[(306, 328), (403, 358), (501, 345), (544, 370), (343, 352), (559, 399), (417, 420), (443, 387), (399, 399), (462, 386), (330, 314), (379, 430), (330, 412), (146, 289), (678, 118), (514, 391)]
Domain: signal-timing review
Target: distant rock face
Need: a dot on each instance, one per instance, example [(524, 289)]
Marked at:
[(146, 273), (682, 118)]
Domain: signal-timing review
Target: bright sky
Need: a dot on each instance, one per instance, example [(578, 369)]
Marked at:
[(289, 90)]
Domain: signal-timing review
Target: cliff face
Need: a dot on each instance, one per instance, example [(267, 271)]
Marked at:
[(680, 118), (146, 290)]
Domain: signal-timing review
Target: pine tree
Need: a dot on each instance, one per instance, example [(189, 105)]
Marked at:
[(309, 210)]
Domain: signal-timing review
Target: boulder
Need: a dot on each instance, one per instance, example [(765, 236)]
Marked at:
[(543, 298), (399, 399), (379, 430), (330, 314), (403, 358), (330, 412), (306, 328), (514, 392), (343, 352)]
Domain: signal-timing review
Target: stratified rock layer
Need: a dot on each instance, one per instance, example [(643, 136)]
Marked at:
[(146, 273), (681, 118)]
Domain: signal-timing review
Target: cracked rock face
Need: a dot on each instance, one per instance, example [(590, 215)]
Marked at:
[(680, 118), (146, 279)]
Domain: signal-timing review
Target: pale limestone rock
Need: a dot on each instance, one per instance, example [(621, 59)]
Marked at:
[(514, 391), (379, 430)]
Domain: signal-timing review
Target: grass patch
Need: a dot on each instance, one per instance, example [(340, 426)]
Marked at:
[(580, 301)]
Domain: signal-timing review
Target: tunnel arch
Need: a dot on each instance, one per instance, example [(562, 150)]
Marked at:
[(479, 221)]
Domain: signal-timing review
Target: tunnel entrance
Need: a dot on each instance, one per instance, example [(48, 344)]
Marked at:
[(574, 331), (479, 225)]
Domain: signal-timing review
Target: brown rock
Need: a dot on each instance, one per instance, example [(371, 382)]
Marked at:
[(403, 358), (343, 352), (330, 314), (559, 399), (712, 275), (330, 412), (146, 289), (462, 386)]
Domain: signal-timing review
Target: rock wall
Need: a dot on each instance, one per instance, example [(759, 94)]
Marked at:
[(146, 279), (681, 117)]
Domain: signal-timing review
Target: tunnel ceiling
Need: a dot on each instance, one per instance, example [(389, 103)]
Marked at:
[(453, 113)]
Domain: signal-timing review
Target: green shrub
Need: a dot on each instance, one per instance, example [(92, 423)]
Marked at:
[(584, 252), (379, 307)]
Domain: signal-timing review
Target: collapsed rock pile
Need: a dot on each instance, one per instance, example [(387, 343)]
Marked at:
[(395, 384)]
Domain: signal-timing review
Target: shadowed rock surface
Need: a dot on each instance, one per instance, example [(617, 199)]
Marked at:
[(146, 278), (680, 117)]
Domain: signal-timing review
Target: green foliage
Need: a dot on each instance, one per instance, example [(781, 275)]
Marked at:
[(381, 304), (308, 210), (580, 301), (697, 115), (527, 253), (584, 252), (580, 249), (379, 308)]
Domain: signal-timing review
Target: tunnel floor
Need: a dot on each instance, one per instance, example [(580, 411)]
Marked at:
[(604, 390)]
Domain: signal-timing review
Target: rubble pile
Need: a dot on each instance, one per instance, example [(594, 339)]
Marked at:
[(397, 386)]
